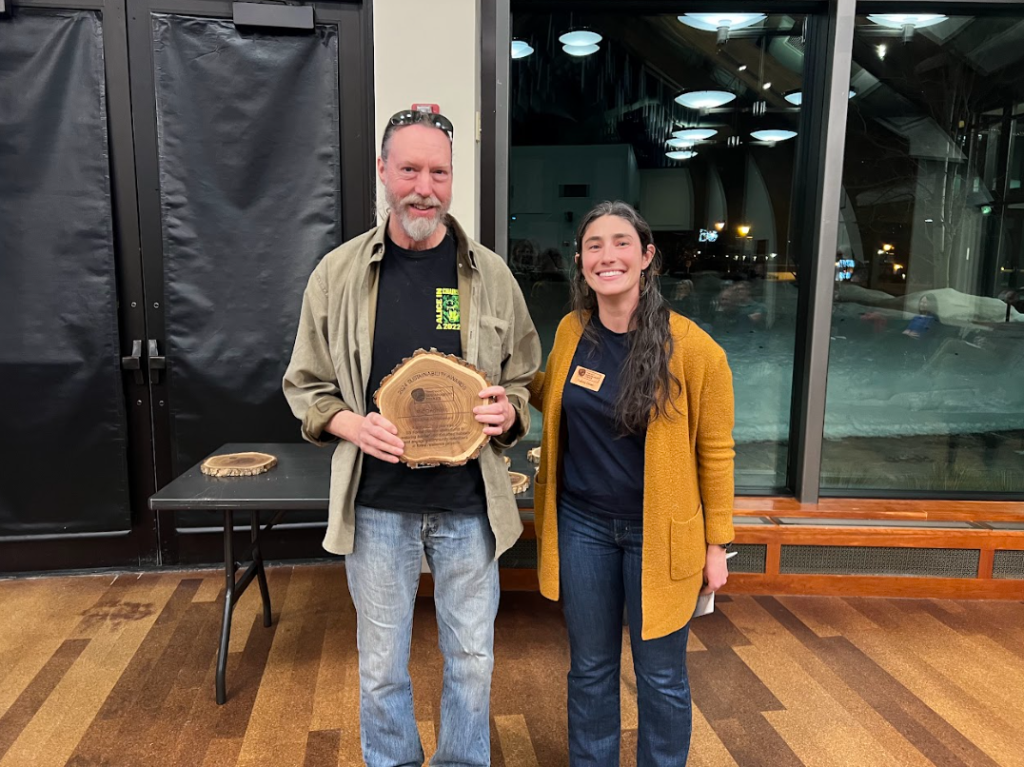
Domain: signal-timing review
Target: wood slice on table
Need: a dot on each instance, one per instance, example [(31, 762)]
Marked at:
[(508, 462), (533, 455), (238, 464), (430, 398), (520, 482)]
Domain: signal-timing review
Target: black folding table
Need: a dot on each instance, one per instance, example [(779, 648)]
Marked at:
[(300, 482)]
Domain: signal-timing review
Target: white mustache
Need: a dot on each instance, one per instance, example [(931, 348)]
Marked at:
[(415, 199)]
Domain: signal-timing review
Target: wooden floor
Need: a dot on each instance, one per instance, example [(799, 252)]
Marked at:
[(118, 672)]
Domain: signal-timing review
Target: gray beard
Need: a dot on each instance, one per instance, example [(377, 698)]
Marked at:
[(418, 229)]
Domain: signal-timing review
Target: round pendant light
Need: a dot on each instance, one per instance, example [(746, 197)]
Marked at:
[(580, 37), (722, 23), (772, 136), (679, 143), (796, 98), (694, 134), (581, 50), (680, 155), (705, 99), (907, 22), (521, 49), (900, 20)]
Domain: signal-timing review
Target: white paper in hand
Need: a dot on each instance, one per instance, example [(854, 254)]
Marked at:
[(705, 605), (706, 602)]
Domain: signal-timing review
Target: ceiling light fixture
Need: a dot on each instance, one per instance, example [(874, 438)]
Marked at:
[(722, 23), (580, 37), (907, 22), (581, 50), (678, 143), (521, 49), (705, 99), (772, 136), (694, 134), (796, 98), (680, 155)]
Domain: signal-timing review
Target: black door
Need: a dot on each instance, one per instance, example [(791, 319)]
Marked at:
[(75, 442), (168, 181), (254, 161)]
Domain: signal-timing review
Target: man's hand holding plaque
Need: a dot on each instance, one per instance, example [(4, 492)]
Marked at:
[(498, 416), (431, 411)]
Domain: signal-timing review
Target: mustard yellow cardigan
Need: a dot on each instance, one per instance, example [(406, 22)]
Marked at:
[(688, 474)]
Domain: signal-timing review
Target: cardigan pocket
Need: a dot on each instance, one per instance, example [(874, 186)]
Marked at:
[(688, 550), (539, 504)]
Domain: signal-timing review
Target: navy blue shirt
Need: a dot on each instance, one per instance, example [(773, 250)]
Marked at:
[(418, 307), (603, 471)]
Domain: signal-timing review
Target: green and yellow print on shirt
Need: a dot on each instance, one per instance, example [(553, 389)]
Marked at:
[(446, 309)]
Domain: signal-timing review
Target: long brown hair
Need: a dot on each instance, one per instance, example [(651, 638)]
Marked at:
[(647, 385)]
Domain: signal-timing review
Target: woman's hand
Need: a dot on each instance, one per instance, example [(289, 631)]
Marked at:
[(716, 569)]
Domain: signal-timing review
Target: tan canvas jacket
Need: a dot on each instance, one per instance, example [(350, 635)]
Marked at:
[(330, 365)]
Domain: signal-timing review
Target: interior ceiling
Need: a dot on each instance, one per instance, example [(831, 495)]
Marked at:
[(625, 92)]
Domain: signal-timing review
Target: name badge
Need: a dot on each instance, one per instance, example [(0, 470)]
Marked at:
[(588, 379)]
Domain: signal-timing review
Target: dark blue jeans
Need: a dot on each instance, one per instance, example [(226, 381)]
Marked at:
[(600, 574)]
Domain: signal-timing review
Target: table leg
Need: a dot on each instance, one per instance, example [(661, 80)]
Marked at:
[(229, 604), (261, 573)]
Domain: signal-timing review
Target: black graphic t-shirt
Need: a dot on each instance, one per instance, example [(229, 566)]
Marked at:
[(418, 307)]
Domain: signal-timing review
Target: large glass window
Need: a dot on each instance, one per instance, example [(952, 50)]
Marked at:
[(925, 389), (695, 120)]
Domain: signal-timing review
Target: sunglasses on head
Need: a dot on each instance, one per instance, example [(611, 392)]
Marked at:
[(410, 117)]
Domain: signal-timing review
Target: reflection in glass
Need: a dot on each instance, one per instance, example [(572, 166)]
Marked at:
[(610, 126), (925, 392)]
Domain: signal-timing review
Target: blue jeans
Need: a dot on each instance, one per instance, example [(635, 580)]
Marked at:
[(383, 575), (600, 574)]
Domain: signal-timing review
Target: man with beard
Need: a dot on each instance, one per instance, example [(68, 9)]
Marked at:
[(416, 281)]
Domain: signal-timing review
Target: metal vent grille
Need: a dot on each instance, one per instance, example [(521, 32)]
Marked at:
[(1008, 564), (522, 555), (880, 560), (749, 558)]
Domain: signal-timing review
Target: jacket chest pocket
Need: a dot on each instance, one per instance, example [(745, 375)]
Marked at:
[(494, 347)]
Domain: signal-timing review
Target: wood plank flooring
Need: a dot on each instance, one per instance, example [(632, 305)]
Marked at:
[(105, 671)]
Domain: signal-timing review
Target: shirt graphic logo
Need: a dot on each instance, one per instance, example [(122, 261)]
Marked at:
[(446, 309)]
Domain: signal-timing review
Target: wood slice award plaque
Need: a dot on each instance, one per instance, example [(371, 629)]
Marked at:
[(430, 398), (520, 482), (238, 464)]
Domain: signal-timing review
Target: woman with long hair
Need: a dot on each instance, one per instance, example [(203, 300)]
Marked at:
[(634, 493)]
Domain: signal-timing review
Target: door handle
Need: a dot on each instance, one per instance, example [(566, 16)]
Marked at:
[(156, 362), (133, 362)]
